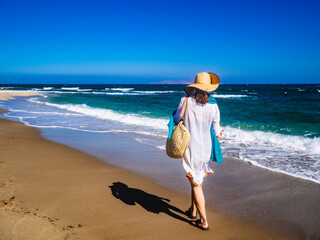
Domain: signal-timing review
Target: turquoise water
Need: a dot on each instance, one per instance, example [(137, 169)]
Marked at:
[(286, 109), (272, 126)]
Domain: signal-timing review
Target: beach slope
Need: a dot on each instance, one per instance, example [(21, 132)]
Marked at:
[(50, 191)]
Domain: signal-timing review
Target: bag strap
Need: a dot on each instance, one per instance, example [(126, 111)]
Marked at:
[(185, 103)]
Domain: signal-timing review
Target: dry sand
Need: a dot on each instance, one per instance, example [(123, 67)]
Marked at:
[(8, 94), (50, 191)]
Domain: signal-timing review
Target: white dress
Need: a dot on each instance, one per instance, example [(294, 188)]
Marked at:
[(199, 119)]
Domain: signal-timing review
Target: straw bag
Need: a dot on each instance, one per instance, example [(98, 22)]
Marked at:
[(176, 146)]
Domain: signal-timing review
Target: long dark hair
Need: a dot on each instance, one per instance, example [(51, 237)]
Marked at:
[(200, 96)]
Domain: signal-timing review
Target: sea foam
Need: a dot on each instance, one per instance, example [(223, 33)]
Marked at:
[(237, 136), (228, 96), (106, 114), (70, 88), (275, 140)]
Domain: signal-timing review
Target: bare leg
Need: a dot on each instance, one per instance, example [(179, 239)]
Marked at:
[(200, 203), (198, 200), (193, 207)]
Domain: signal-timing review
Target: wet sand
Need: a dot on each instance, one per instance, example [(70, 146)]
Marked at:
[(282, 203), (50, 191), (279, 202)]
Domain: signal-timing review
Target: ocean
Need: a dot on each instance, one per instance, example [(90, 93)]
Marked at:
[(276, 127)]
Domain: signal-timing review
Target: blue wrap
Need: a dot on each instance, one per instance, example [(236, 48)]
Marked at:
[(170, 126)]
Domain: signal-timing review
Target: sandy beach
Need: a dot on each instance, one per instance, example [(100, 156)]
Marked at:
[(9, 94), (278, 202), (51, 191)]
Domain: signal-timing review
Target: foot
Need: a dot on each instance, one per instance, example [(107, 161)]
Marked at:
[(202, 225), (191, 214)]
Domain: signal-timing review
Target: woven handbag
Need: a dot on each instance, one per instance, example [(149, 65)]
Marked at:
[(177, 145)]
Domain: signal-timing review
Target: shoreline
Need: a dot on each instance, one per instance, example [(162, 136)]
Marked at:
[(238, 190), (283, 172), (299, 166), (52, 190), (10, 94)]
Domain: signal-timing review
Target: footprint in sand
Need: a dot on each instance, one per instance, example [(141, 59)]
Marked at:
[(8, 203)]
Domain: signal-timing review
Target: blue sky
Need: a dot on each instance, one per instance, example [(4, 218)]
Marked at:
[(156, 41)]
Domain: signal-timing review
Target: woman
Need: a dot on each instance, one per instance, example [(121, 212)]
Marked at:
[(200, 115)]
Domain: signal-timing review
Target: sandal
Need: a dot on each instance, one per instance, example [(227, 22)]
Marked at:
[(197, 224), (189, 214)]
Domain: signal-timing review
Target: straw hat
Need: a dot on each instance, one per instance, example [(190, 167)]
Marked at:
[(204, 81)]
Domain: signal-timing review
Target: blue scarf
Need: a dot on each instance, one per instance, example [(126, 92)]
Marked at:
[(216, 154)]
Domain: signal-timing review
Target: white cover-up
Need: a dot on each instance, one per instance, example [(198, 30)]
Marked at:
[(200, 117)]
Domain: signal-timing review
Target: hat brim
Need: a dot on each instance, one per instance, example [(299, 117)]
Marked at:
[(204, 87), (215, 82)]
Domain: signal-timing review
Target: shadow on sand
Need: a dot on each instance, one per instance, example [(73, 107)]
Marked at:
[(151, 203)]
